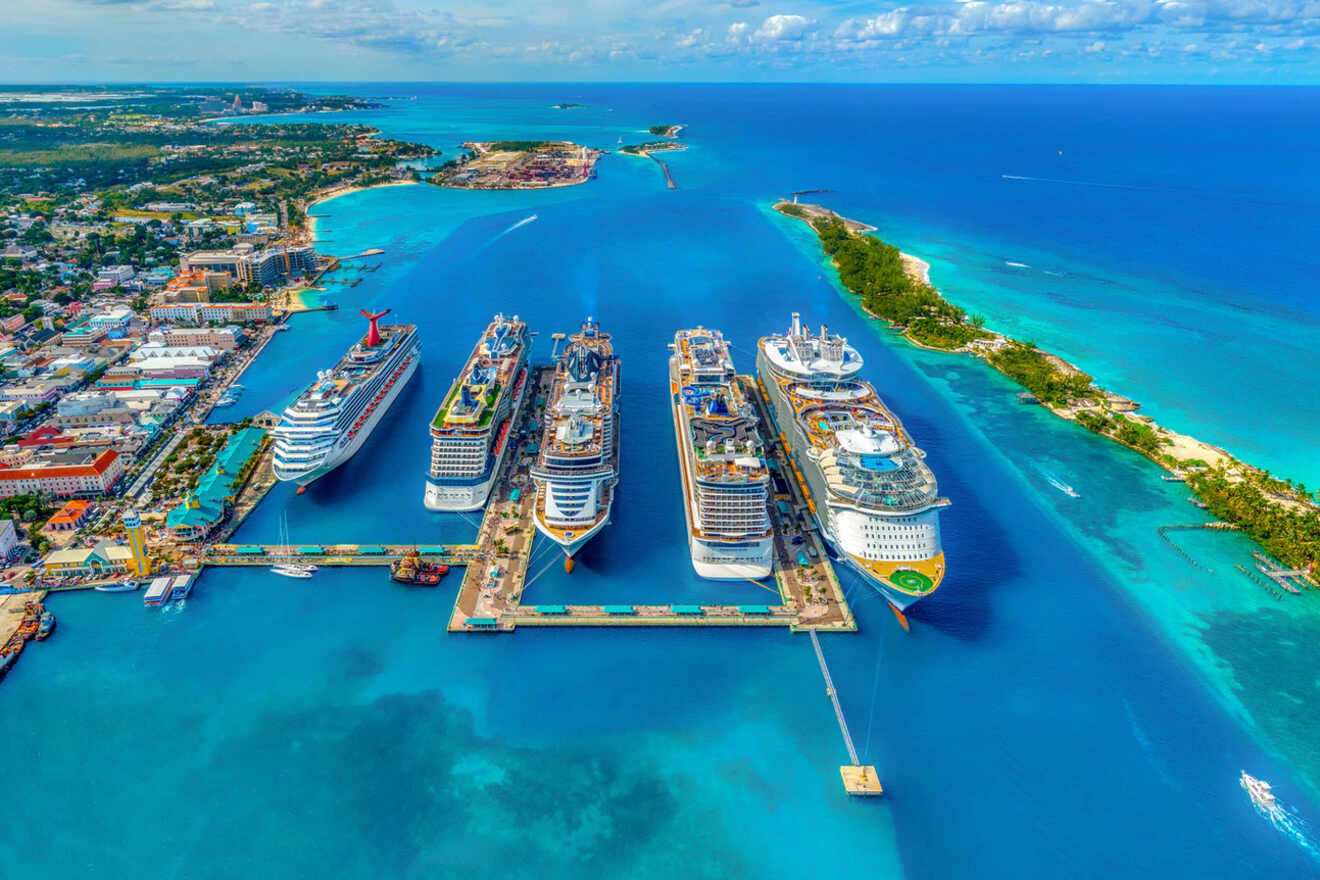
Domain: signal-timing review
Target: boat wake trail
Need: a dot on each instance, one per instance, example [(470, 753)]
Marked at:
[(521, 223), (1065, 182), (1064, 488), (1016, 265), (1058, 484), (1290, 824)]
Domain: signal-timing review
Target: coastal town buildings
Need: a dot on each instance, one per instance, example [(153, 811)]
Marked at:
[(62, 473), (211, 313), (246, 265)]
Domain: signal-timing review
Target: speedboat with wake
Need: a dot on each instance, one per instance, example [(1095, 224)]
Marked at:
[(1258, 790)]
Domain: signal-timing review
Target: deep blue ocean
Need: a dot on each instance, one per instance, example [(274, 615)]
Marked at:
[(1076, 700)]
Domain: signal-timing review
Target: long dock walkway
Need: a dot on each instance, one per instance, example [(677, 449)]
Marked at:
[(834, 698), (858, 779), (335, 554), (664, 166)]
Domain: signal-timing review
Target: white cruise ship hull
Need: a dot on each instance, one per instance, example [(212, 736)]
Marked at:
[(455, 497), (579, 540), (720, 562), (925, 543), (346, 447), (447, 498)]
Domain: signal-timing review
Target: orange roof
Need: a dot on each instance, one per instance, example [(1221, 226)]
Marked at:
[(97, 467), (70, 513)]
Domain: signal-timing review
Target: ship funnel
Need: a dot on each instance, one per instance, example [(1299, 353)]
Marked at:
[(373, 332), (797, 324)]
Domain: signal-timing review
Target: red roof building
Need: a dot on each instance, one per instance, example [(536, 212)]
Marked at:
[(66, 474)]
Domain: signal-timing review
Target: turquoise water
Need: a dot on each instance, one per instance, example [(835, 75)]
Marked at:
[(1076, 700)]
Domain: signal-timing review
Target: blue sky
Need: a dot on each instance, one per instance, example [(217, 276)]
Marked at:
[(1243, 41)]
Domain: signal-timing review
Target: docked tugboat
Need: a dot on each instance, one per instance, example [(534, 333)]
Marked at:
[(410, 569), (45, 625)]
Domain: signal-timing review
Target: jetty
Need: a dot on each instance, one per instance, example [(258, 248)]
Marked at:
[(334, 554), (858, 779), (669, 178), (1257, 580), (1275, 571), (369, 252)]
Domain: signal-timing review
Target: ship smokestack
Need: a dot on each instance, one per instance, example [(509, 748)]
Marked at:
[(797, 324), (373, 332)]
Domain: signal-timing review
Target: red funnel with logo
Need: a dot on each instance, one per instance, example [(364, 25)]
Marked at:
[(373, 334)]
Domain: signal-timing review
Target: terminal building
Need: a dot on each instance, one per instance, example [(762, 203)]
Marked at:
[(208, 506)]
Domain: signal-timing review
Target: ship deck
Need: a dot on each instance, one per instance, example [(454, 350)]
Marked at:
[(502, 378)]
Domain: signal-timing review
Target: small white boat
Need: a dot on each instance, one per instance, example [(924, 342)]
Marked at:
[(1258, 790), (289, 571), (122, 587), (302, 566)]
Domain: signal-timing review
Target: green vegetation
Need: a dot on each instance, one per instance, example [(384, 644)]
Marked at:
[(945, 334), (1030, 368), (518, 146), (160, 136), (650, 147), (1138, 435), (79, 154), (661, 130), (874, 271), (28, 508), (1291, 535)]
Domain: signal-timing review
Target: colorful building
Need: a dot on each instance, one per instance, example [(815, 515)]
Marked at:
[(65, 473), (105, 559), (207, 506), (71, 516), (138, 562)]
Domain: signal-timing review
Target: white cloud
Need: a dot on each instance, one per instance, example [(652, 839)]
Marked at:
[(783, 28), (974, 17)]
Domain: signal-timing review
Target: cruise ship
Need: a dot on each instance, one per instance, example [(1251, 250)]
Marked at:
[(873, 497), (470, 431), (722, 464), (333, 416), (578, 463)]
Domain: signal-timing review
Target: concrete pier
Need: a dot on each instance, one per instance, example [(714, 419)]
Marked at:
[(813, 589), (858, 778)]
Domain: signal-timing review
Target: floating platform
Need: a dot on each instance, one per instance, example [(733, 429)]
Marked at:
[(860, 781)]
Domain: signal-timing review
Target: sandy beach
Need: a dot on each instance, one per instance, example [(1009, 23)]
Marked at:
[(338, 191)]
